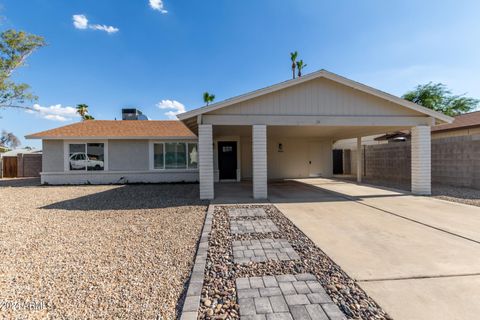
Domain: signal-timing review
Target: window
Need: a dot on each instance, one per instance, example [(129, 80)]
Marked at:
[(192, 156), (175, 155), (158, 156), (86, 156)]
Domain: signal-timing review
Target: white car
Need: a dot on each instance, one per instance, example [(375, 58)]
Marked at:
[(80, 161)]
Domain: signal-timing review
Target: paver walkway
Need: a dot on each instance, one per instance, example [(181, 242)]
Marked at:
[(252, 226), (279, 297), (288, 296), (245, 251), (247, 212)]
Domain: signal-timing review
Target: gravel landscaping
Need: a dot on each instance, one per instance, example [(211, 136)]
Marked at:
[(77, 252), (455, 194), (219, 296)]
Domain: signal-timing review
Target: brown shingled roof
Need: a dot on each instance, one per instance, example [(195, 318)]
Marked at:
[(118, 129), (466, 120)]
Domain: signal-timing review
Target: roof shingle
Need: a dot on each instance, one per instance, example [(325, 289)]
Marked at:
[(118, 129), (466, 120)]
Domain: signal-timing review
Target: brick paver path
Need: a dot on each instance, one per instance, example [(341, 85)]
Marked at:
[(262, 250), (291, 297), (246, 212), (252, 226)]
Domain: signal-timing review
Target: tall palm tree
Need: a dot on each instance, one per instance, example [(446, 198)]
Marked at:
[(300, 66), (82, 110), (293, 57), (207, 98)]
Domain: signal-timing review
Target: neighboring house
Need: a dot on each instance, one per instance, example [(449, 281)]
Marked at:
[(283, 131), (455, 150)]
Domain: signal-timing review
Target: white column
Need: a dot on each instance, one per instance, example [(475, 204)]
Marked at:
[(359, 159), (421, 160), (259, 150), (205, 157)]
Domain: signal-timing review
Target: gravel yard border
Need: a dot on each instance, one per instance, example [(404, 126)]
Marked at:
[(191, 304), (218, 296)]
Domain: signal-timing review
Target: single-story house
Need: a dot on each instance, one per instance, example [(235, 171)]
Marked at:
[(283, 131)]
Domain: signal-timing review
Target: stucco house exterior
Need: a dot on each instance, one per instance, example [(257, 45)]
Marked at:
[(283, 131)]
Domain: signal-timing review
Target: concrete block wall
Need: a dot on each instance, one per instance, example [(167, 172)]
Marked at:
[(455, 161), (389, 161)]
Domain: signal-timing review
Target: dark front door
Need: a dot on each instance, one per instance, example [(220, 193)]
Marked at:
[(337, 161), (227, 159)]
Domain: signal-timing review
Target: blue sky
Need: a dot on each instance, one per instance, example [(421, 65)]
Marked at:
[(176, 49)]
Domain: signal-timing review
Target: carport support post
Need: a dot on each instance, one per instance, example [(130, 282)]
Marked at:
[(259, 148), (421, 160), (359, 159), (205, 152)]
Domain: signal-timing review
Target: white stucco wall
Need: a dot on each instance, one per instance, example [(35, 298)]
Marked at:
[(293, 162), (52, 155), (128, 155), (128, 162)]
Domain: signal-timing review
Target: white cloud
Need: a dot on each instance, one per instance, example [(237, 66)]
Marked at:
[(55, 112), (80, 21), (174, 106), (108, 29), (157, 5)]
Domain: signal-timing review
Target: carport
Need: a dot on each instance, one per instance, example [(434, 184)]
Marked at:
[(287, 131)]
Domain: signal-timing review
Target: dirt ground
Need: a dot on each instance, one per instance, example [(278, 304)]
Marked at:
[(96, 251)]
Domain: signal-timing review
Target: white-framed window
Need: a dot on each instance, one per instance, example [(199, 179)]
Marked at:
[(85, 156), (174, 155)]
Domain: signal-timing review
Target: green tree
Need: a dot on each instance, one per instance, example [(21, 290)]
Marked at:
[(293, 58), (208, 98), (15, 47), (82, 110), (300, 66), (438, 97)]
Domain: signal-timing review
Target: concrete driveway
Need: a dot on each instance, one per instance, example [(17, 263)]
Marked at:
[(418, 257)]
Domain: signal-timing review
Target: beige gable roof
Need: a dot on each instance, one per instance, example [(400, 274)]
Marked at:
[(317, 75)]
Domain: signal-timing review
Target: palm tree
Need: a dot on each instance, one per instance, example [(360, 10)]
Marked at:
[(207, 98), (300, 66), (293, 57), (82, 110)]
